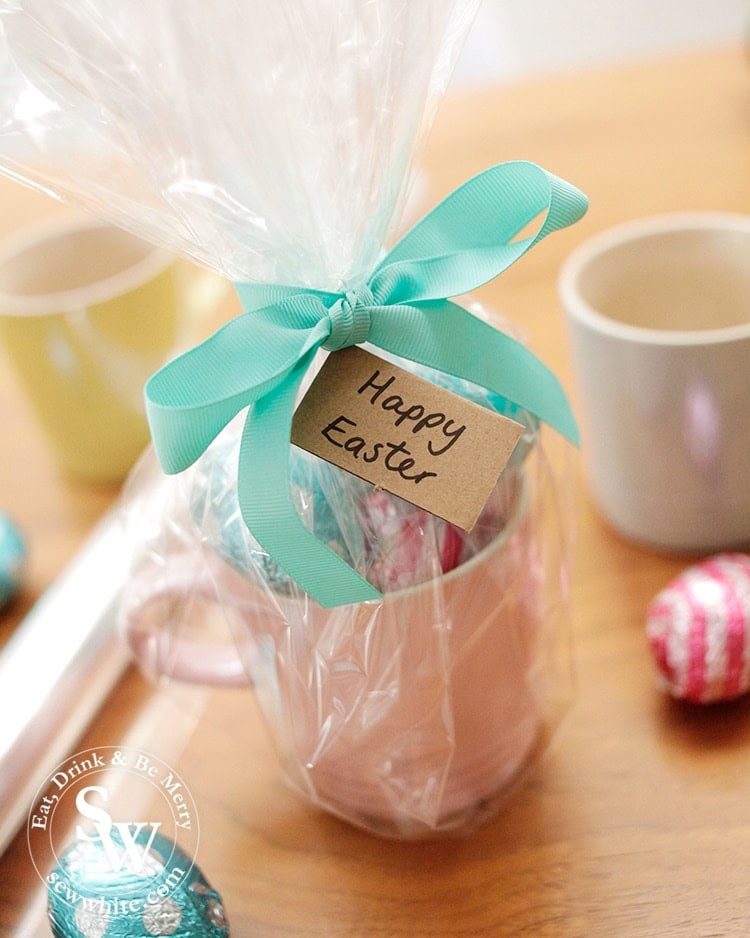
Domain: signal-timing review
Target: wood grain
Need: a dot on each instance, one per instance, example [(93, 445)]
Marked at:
[(636, 821)]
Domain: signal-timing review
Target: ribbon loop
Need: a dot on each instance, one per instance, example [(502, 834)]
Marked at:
[(350, 319), (258, 360)]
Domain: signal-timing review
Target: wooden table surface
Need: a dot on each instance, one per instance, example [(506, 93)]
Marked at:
[(636, 822)]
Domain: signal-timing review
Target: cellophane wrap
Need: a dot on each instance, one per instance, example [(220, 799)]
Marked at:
[(269, 141), (275, 142)]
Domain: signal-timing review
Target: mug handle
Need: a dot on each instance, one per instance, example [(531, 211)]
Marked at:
[(160, 652)]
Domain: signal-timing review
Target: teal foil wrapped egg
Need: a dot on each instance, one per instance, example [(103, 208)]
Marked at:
[(12, 559), (167, 894)]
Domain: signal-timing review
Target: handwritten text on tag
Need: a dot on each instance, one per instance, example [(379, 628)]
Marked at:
[(405, 435)]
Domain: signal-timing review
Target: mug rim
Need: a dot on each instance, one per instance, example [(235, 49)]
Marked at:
[(155, 261), (631, 232), (521, 505)]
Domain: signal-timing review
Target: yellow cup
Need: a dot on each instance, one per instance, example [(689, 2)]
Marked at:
[(87, 313)]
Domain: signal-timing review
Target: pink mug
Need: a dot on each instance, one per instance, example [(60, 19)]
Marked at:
[(409, 716)]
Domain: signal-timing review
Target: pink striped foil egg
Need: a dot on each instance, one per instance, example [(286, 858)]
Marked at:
[(698, 628)]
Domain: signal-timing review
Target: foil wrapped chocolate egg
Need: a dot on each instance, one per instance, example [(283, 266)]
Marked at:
[(698, 629), (12, 559), (164, 894)]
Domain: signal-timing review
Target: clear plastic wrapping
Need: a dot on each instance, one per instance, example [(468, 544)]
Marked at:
[(275, 144), (269, 141), (410, 717)]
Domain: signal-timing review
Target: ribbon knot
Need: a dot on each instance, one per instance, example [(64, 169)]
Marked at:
[(258, 359), (350, 319)]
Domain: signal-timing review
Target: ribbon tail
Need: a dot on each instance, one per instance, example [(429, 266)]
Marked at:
[(447, 338), (268, 509)]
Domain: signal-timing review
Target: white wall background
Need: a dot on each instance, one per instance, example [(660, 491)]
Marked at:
[(514, 39)]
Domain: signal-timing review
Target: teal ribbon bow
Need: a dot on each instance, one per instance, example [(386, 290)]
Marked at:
[(260, 357)]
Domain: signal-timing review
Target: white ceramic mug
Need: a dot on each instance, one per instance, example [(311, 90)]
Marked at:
[(658, 312)]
